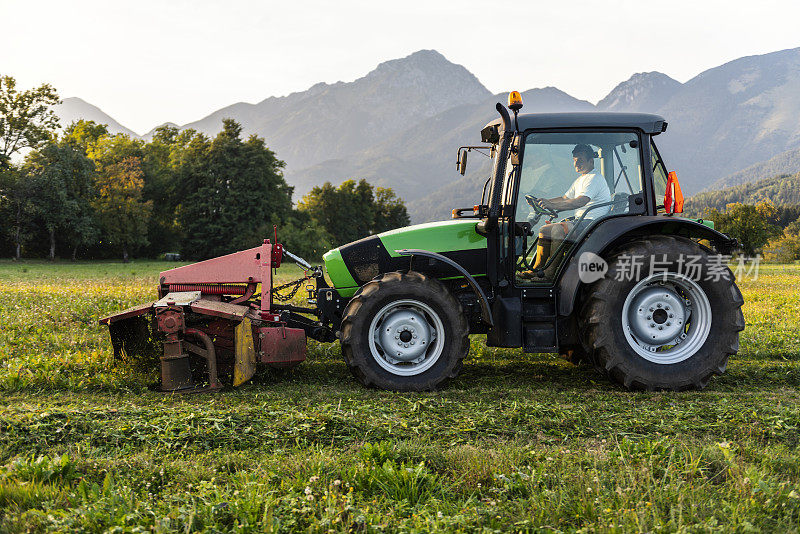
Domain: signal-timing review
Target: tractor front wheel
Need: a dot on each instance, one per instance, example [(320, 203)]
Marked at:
[(671, 323), (404, 332)]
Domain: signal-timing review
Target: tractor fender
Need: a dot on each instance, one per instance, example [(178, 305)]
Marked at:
[(486, 312), (612, 232)]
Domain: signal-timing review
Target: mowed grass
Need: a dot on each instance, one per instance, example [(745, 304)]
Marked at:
[(517, 443)]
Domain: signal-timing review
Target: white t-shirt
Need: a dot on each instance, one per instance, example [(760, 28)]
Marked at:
[(594, 186)]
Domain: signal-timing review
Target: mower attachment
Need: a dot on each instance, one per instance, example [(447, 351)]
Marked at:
[(218, 309)]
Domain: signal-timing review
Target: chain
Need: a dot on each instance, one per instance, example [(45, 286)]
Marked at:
[(283, 298)]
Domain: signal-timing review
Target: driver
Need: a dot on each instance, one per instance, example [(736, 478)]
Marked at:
[(588, 189)]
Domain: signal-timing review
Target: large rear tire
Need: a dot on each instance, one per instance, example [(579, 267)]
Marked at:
[(404, 332), (666, 328)]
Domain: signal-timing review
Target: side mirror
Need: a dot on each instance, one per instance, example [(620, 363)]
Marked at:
[(462, 162)]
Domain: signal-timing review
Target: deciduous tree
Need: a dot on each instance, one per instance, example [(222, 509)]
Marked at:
[(17, 209), (750, 224), (351, 211), (26, 117), (62, 177), (230, 192), (119, 205), (390, 211)]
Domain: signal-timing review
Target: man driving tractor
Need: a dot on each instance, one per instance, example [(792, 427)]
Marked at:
[(588, 189)]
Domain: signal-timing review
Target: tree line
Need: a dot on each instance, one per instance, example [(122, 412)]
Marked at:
[(764, 215), (88, 193)]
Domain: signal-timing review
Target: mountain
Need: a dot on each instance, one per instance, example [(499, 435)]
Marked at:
[(455, 128), (785, 163), (781, 190), (728, 117), (73, 109), (419, 162), (329, 121), (644, 91), (733, 116)]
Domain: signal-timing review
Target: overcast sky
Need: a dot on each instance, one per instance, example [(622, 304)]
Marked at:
[(148, 62)]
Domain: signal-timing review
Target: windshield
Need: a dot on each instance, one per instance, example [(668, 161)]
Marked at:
[(600, 166)]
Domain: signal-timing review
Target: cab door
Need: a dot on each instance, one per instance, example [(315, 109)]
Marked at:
[(603, 169)]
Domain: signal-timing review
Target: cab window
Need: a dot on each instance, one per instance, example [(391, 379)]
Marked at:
[(568, 181), (660, 176)]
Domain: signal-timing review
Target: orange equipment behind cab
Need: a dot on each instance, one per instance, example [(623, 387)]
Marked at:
[(673, 198)]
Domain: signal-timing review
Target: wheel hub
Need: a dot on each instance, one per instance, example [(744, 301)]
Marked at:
[(657, 315), (666, 318), (403, 337)]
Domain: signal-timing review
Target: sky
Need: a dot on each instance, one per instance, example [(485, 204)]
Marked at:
[(149, 62)]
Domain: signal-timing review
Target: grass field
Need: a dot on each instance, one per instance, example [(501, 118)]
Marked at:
[(517, 443)]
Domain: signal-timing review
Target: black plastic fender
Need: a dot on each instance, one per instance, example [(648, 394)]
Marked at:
[(614, 231), (486, 312)]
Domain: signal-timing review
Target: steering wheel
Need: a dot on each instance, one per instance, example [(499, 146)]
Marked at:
[(533, 202)]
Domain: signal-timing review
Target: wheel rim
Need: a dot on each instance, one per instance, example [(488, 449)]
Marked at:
[(406, 337), (666, 318)]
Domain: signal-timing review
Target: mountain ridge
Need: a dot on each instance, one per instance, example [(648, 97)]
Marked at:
[(74, 108), (400, 124)]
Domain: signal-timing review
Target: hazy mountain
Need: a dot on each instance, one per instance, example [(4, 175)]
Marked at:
[(729, 117), (437, 202), (784, 163), (644, 91), (330, 121), (73, 109), (419, 162)]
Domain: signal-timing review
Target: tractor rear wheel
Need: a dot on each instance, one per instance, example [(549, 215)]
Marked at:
[(404, 332), (667, 328)]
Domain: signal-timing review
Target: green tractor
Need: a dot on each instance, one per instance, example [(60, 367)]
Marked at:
[(576, 247), (603, 271)]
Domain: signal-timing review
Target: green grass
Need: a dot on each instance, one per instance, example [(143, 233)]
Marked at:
[(517, 443)]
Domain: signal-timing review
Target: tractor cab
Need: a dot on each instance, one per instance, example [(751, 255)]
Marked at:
[(564, 174)]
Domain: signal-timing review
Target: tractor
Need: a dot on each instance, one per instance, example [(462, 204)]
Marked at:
[(577, 247)]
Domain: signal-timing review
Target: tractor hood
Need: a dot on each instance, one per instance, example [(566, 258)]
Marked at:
[(356, 263)]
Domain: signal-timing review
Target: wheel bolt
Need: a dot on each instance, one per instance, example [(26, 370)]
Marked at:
[(658, 305), (672, 315), (405, 345), (415, 336), (669, 323), (652, 325), (413, 342), (661, 328), (648, 318), (397, 336), (666, 307), (652, 309)]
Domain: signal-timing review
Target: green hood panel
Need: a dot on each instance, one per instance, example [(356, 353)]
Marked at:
[(350, 265), (440, 236)]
